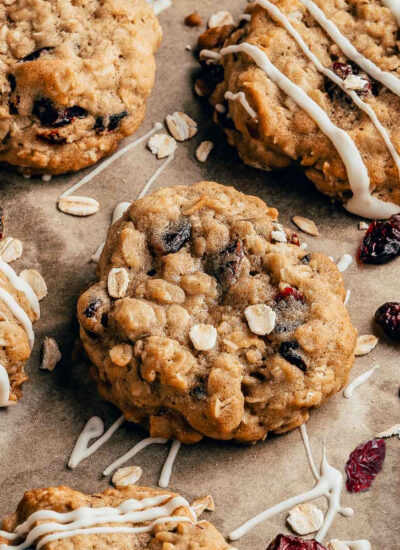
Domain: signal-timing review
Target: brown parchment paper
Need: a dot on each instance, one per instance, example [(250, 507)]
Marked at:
[(37, 435)]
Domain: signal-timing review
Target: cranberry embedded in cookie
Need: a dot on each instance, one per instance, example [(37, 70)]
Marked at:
[(207, 320)]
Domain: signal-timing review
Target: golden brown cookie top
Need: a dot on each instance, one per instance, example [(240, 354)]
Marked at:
[(209, 319), (122, 518)]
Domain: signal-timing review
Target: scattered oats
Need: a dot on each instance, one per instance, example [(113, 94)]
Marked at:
[(203, 150), (193, 20), (305, 519), (220, 18), (260, 318), (306, 225), (35, 281), (127, 476), (162, 145), (118, 282), (78, 206), (391, 432), (181, 126), (198, 505), (51, 354), (365, 344), (279, 236), (354, 82), (203, 337), (336, 544), (11, 249), (362, 226), (46, 177)]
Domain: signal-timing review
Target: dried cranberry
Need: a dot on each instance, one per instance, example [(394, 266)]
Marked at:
[(225, 266), (289, 351), (92, 308), (12, 82), (1, 223), (388, 318), (50, 115), (342, 70), (381, 243), (99, 125), (115, 120), (176, 237), (294, 239), (364, 464), (290, 542), (36, 54), (52, 137), (290, 292)]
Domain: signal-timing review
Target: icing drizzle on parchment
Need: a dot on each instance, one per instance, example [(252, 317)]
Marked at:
[(362, 202), (144, 514)]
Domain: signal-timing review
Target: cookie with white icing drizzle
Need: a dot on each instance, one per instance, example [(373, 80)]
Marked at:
[(319, 85), (209, 319), (121, 518)]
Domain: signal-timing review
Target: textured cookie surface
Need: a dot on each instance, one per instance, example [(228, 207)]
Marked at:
[(281, 132), (74, 78), (219, 325), (169, 535)]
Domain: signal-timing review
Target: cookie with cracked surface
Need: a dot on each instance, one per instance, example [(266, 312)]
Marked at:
[(19, 308), (164, 521), (75, 77), (315, 83), (222, 325)]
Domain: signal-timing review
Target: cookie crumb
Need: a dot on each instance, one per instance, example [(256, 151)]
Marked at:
[(261, 319), (127, 476), (198, 505), (35, 281), (362, 226), (193, 20), (51, 354), (162, 145), (305, 519), (220, 19)]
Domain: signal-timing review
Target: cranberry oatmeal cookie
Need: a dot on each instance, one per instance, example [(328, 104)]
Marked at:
[(75, 77), (124, 518), (209, 319), (315, 83)]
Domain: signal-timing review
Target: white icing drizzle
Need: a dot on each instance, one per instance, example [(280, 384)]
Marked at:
[(387, 79), (241, 97), (329, 484), (134, 451), (167, 468), (394, 7), (357, 382), (362, 202), (102, 166), (306, 441), (285, 22), (347, 298), (94, 428), (153, 178), (144, 514), (19, 284), (344, 263), (19, 313), (4, 387)]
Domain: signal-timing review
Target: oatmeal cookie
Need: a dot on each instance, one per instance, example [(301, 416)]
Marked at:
[(209, 319), (164, 521), (19, 308), (74, 79), (315, 83)]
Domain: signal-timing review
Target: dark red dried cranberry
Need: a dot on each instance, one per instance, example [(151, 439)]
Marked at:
[(115, 120), (99, 125), (176, 237), (364, 464), (388, 318), (92, 308), (290, 292), (294, 239), (290, 542), (225, 266), (12, 82), (290, 352), (1, 223), (342, 70), (49, 115), (52, 137), (37, 53), (381, 243)]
